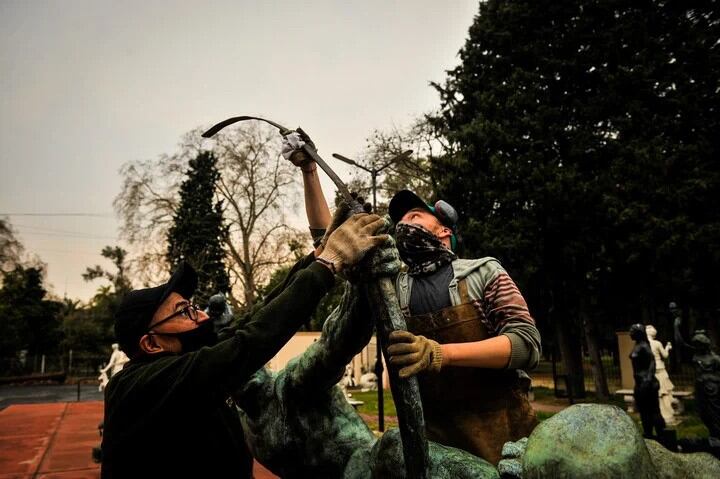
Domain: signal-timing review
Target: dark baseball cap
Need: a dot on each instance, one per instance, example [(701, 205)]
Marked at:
[(137, 307), (406, 200)]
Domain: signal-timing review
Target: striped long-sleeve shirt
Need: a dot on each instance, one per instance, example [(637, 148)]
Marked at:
[(502, 307)]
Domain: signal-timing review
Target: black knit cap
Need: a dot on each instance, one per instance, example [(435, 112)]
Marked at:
[(138, 307)]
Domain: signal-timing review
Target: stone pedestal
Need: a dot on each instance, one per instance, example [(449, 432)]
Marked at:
[(625, 347)]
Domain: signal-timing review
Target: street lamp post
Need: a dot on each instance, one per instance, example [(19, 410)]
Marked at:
[(374, 171)]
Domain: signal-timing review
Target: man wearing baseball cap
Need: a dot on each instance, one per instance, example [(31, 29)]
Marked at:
[(168, 413), (470, 334)]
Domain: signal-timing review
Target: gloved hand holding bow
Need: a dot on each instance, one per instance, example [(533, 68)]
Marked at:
[(292, 144)]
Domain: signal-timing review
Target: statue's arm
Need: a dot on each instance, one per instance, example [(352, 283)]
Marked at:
[(345, 332), (716, 363), (664, 350), (111, 362)]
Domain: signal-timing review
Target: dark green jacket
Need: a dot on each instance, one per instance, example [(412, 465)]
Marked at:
[(169, 416)]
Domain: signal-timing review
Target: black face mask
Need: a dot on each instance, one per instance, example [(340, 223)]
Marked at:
[(203, 335), (421, 250)]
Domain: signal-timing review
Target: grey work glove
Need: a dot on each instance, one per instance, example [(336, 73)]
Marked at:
[(349, 243), (292, 144), (415, 353)]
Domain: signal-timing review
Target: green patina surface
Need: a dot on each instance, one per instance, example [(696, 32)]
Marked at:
[(587, 441), (674, 465)]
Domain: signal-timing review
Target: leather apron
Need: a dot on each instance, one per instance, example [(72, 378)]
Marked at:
[(474, 409)]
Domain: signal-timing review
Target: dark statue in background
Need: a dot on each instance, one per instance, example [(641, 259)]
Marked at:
[(219, 311), (707, 383), (646, 384)]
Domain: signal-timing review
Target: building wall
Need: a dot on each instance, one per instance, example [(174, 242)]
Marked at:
[(363, 361)]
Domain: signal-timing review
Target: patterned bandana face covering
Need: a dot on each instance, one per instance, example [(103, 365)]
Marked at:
[(421, 250)]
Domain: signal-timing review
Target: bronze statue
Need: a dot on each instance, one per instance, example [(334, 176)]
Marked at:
[(219, 311), (299, 424), (707, 383), (646, 384)]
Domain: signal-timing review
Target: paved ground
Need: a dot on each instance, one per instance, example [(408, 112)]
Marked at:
[(47, 393), (46, 433)]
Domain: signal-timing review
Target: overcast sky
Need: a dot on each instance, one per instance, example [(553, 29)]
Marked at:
[(86, 86)]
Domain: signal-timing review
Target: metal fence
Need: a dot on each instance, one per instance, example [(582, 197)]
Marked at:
[(72, 365), (682, 375)]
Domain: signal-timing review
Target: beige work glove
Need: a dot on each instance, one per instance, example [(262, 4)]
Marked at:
[(382, 262), (415, 353), (342, 212), (349, 243)]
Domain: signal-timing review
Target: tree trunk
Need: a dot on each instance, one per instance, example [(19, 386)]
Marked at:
[(247, 269), (571, 353), (601, 386), (249, 290)]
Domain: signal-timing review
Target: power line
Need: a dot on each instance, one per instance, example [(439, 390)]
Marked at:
[(42, 231), (92, 215), (65, 235)]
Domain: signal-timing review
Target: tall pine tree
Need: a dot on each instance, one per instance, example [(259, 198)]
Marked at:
[(587, 144), (198, 231)]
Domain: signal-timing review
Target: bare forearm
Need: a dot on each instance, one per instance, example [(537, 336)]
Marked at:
[(492, 353), (316, 207)]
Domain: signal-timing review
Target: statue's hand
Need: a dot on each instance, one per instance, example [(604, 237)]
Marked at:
[(668, 346), (510, 466)]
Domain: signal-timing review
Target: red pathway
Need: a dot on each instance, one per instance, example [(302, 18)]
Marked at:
[(55, 441)]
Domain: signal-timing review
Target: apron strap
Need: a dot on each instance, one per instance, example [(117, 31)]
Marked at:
[(463, 290)]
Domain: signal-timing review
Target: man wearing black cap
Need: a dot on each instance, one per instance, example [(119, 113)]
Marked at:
[(470, 334), (169, 413)]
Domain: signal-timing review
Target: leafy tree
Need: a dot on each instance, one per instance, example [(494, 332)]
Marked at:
[(257, 187), (85, 328), (89, 328), (586, 156), (412, 172), (10, 248), (197, 233), (119, 280), (28, 320)]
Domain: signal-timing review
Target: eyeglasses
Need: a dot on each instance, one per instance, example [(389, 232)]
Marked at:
[(190, 311)]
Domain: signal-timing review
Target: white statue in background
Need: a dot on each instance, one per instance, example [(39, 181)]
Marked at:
[(347, 381), (102, 379), (114, 366), (666, 386), (368, 382)]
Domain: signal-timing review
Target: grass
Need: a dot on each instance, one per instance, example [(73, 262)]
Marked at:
[(370, 398), (547, 396), (690, 425)]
